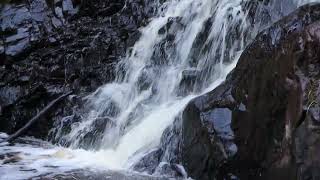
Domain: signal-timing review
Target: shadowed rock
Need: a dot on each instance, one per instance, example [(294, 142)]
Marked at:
[(50, 47), (262, 122)]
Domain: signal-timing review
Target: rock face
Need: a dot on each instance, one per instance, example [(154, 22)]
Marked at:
[(84, 175), (49, 47), (263, 122)]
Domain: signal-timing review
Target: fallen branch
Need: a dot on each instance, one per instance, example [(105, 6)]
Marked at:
[(37, 117)]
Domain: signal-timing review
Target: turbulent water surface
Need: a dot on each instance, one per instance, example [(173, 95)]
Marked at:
[(196, 41)]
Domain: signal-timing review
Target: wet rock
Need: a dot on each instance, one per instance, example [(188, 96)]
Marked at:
[(206, 137), (149, 162), (50, 47), (262, 122), (11, 158), (23, 26), (101, 175), (171, 143), (69, 7), (169, 170), (106, 8), (63, 126), (165, 160), (307, 145), (165, 47), (92, 137), (145, 80), (264, 17), (188, 81)]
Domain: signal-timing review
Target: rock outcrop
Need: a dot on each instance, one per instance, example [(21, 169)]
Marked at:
[(49, 47), (263, 121)]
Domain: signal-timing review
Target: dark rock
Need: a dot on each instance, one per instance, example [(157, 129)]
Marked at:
[(188, 81), (100, 175), (171, 142), (50, 47), (149, 162), (204, 147), (92, 137), (264, 7), (69, 8), (262, 123), (165, 48), (165, 160), (169, 170)]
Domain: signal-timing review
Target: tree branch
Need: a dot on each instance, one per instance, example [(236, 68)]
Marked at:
[(35, 118)]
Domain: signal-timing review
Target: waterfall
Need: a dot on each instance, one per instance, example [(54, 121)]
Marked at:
[(203, 38), (186, 50), (303, 2)]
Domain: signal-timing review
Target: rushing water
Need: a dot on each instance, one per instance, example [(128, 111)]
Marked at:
[(196, 41), (303, 2), (146, 98)]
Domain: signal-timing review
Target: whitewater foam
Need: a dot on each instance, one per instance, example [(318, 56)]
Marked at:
[(145, 108)]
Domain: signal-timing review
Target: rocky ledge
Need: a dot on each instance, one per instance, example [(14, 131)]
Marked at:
[(49, 47), (264, 121), (90, 175)]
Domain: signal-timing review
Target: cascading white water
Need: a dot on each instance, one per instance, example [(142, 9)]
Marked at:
[(144, 113), (303, 2), (204, 37)]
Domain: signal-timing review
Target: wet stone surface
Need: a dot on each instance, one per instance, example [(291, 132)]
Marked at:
[(50, 47), (262, 123)]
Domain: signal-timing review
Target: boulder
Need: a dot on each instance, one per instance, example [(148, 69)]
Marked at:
[(262, 122)]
